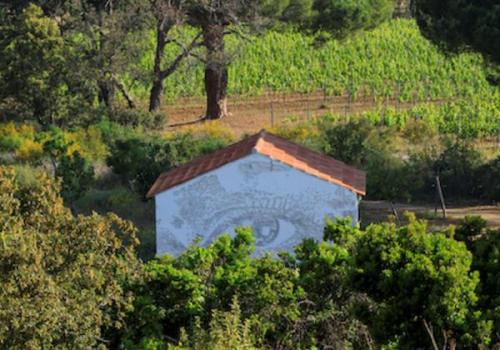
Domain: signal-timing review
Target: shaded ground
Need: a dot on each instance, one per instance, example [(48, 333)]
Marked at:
[(250, 114), (377, 211)]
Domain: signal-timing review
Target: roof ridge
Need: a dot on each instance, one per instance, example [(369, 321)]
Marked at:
[(295, 155)]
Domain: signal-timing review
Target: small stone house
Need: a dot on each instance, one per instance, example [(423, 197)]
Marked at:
[(282, 190)]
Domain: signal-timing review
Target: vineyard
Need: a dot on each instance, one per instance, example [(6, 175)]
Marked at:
[(393, 59)]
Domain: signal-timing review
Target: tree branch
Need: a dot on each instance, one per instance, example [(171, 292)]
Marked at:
[(185, 52), (428, 328)]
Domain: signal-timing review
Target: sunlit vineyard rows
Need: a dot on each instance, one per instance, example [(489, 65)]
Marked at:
[(393, 59), (466, 118)]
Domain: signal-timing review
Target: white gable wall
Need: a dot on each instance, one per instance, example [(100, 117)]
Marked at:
[(282, 204)]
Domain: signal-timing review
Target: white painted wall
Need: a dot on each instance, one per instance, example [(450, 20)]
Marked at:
[(282, 204)]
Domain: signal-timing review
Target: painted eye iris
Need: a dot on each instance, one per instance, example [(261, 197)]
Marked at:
[(273, 229)]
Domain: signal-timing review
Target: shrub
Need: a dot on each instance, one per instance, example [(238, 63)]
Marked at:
[(76, 173), (488, 176), (211, 129), (178, 291), (484, 244), (457, 167), (346, 142), (29, 151), (416, 279), (226, 331), (136, 118), (62, 276), (139, 161)]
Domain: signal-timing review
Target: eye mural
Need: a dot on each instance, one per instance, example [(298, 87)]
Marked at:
[(276, 225), (281, 211)]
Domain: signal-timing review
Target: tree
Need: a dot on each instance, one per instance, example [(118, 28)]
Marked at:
[(216, 19), (112, 30), (61, 277), (484, 244), (76, 174), (328, 318), (36, 81), (461, 25), (422, 284), (168, 14), (343, 17), (184, 291)]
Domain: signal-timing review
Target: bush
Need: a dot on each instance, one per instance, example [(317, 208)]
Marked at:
[(178, 291), (136, 118), (346, 142), (20, 139), (29, 151), (484, 244), (62, 276), (226, 331), (77, 175), (488, 176), (457, 167), (139, 161), (128, 205)]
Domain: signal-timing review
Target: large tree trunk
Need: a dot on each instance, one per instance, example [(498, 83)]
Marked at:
[(157, 88), (163, 27), (215, 72)]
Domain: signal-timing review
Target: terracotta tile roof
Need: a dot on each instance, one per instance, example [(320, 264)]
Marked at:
[(275, 147)]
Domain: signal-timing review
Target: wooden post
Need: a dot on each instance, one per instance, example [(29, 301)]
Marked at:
[(395, 213), (272, 114), (441, 197)]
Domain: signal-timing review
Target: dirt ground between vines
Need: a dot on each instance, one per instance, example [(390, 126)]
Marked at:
[(377, 211), (250, 114)]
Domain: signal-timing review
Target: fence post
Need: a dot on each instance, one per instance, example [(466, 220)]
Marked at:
[(441, 197), (272, 114)]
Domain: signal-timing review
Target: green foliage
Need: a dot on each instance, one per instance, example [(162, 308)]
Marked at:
[(126, 204), (372, 62), (470, 227), (140, 161), (342, 17), (485, 247), (226, 332), (415, 277), (77, 175), (38, 81), (346, 142), (138, 118), (62, 276), (488, 175), (461, 25), (457, 167), (402, 156), (375, 288), (179, 291), (328, 317), (55, 145)]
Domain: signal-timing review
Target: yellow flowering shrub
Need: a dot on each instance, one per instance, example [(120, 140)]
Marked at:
[(29, 150), (20, 138), (212, 129)]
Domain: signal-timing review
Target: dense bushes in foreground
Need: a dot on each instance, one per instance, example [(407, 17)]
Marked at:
[(62, 278), (73, 282)]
